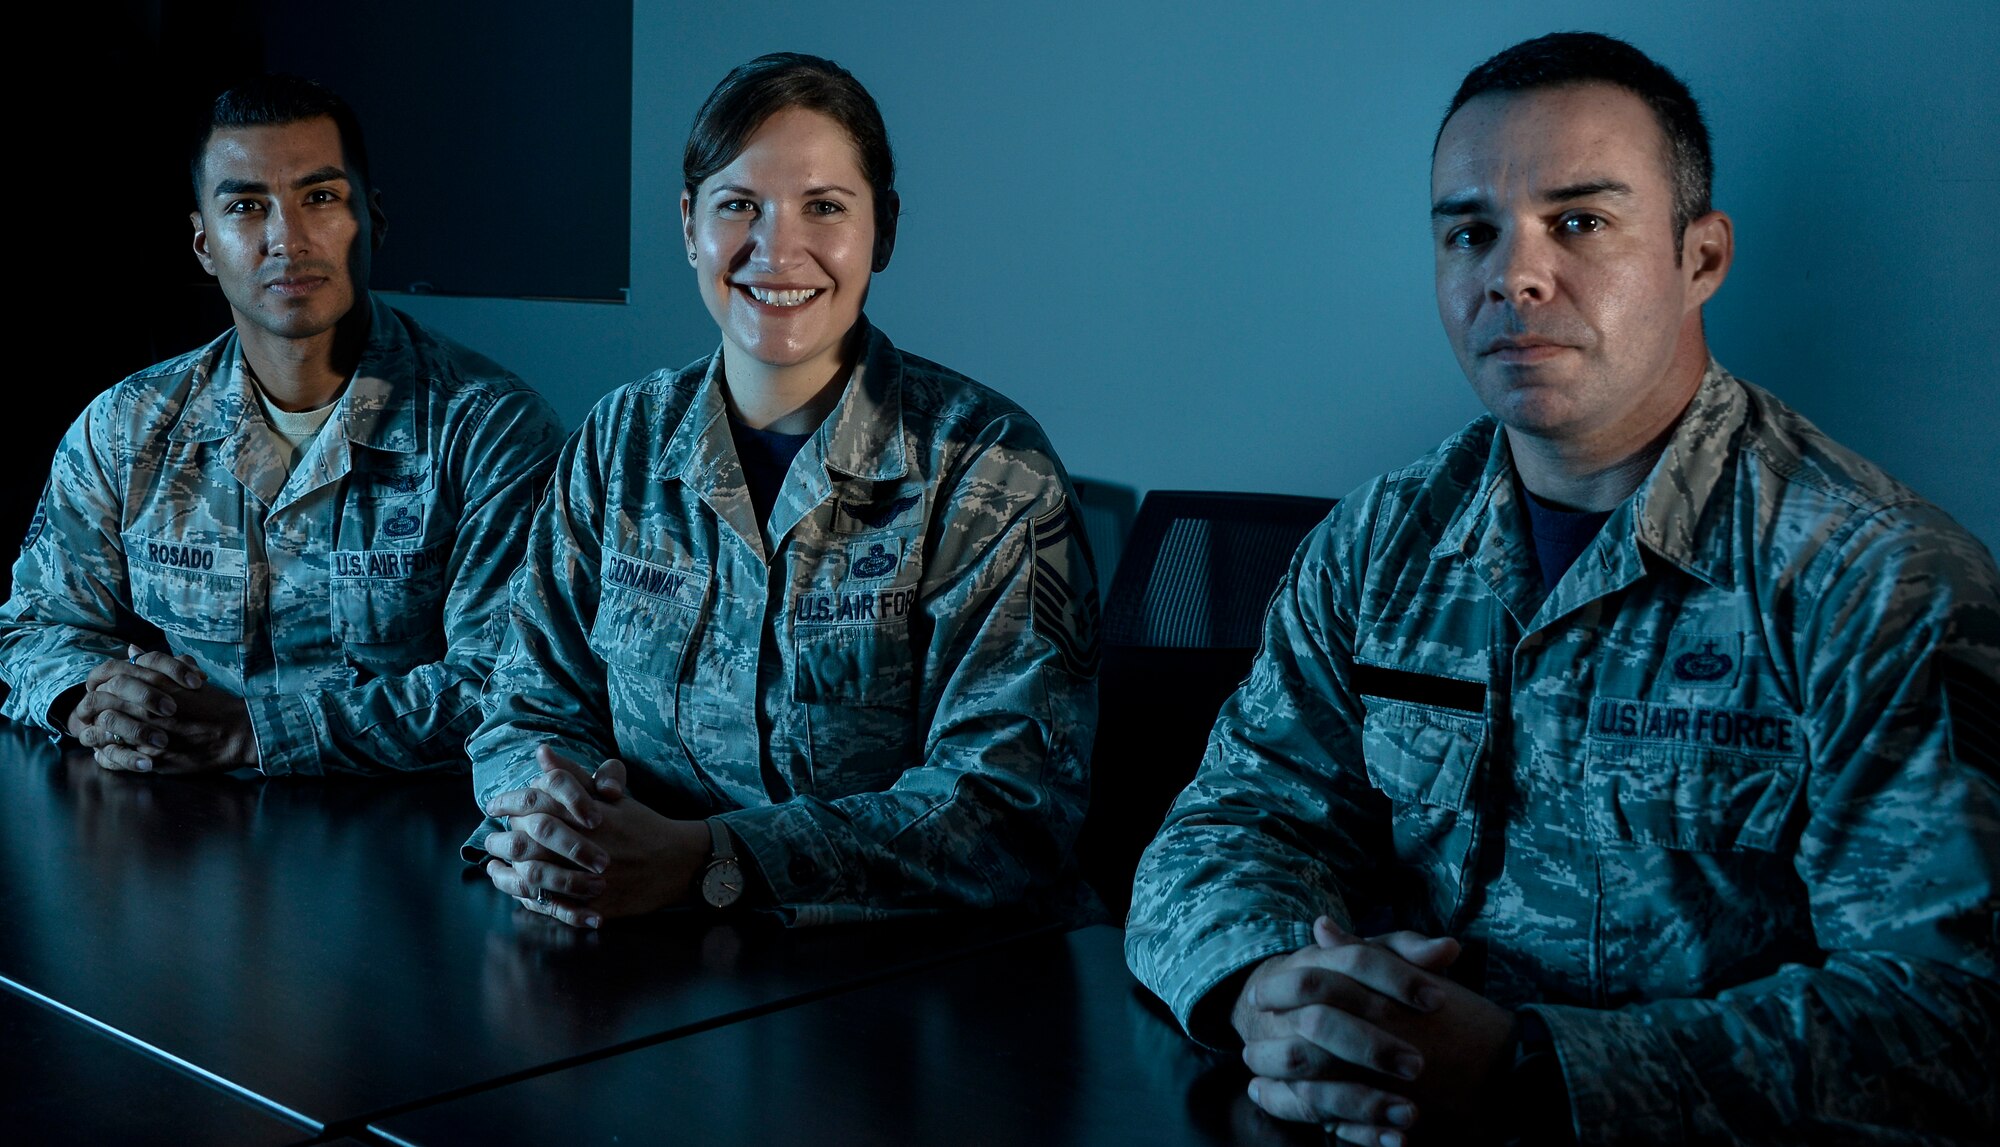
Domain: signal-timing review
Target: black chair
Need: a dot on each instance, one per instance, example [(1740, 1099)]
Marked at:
[(1181, 625), (1107, 510)]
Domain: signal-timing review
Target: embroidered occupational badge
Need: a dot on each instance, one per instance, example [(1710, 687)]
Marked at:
[(402, 523), (875, 563), (1704, 665)]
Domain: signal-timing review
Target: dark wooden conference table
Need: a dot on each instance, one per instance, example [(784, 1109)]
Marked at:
[(225, 959)]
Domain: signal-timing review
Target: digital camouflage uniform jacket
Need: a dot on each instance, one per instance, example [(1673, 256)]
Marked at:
[(894, 712), (356, 604), (1722, 805)]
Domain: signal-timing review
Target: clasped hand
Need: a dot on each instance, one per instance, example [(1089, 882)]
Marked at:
[(578, 847), (155, 712), (1362, 1035)]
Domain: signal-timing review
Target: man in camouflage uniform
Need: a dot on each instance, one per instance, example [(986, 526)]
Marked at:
[(286, 550), (884, 697), (1683, 831)]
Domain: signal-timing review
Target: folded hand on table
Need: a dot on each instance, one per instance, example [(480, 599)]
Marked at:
[(579, 848), (155, 712), (1362, 1035)]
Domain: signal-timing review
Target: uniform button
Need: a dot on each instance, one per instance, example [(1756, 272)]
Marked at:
[(802, 870)]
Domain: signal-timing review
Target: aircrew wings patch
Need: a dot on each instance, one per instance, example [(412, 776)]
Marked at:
[(1065, 590)]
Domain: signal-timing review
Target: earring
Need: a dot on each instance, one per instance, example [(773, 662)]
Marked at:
[(691, 259)]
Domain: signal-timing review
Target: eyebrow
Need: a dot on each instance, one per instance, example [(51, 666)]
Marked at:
[(1462, 205), (327, 174), (1568, 193), (734, 189), (1588, 189)]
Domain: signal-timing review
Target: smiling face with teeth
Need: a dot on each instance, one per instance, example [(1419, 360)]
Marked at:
[(783, 240)]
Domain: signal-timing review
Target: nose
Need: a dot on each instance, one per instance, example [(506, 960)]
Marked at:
[(777, 240), (1519, 269), (284, 238)]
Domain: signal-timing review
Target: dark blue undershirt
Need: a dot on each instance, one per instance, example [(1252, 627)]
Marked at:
[(766, 456), (1560, 535)]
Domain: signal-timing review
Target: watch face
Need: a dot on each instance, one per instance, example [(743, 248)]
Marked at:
[(722, 883)]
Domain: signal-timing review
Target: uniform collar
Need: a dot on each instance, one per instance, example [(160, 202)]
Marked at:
[(1680, 512), (700, 451), (380, 405), (377, 409), (862, 437), (1490, 529), (1472, 521)]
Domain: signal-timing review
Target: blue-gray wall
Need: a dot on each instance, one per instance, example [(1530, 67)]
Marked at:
[(1192, 239)]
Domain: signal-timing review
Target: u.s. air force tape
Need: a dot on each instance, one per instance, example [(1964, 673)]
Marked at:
[(1651, 722), (384, 563)]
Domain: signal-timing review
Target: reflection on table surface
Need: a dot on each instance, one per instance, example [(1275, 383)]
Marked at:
[(1046, 1042), (318, 943), (66, 1082)]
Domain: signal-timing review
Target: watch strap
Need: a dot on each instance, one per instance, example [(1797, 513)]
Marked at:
[(722, 847)]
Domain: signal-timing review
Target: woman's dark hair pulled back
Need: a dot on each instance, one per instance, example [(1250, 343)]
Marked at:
[(754, 92)]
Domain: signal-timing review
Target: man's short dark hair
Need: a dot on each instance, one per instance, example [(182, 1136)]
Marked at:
[(1564, 58), (273, 100), (754, 92)]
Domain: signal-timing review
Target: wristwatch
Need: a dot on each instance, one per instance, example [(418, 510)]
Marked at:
[(1534, 1106), (722, 880)]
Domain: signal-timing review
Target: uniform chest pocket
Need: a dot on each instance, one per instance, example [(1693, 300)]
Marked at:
[(860, 665), (1421, 754), (857, 686), (191, 591), (1687, 797), (639, 633), (378, 611)]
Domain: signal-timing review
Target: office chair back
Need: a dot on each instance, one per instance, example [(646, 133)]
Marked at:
[(1183, 620)]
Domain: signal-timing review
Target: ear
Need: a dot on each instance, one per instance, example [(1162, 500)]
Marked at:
[(378, 223), (201, 242), (687, 222), (1707, 249), (885, 235)]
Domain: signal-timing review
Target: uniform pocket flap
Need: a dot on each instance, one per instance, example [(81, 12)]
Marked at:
[(373, 611), (645, 611), (188, 589), (1421, 754), (854, 665), (1698, 778)]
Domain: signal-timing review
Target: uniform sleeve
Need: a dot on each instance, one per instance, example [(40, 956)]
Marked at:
[(1892, 1039), (548, 686), (989, 810), (67, 611), (420, 719), (1213, 895)]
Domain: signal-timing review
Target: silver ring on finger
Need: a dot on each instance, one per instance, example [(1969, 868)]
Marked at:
[(542, 896)]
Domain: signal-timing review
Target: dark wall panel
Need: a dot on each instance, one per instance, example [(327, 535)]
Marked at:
[(500, 134)]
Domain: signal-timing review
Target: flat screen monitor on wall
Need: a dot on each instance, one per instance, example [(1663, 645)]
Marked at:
[(499, 133)]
